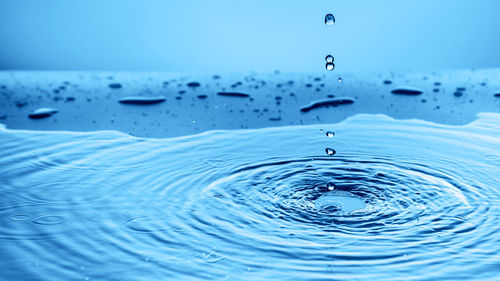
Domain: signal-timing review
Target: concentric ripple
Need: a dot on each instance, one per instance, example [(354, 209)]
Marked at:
[(399, 200)]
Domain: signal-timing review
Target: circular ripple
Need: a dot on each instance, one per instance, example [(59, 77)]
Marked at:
[(49, 220), (379, 212), (375, 210), (33, 222)]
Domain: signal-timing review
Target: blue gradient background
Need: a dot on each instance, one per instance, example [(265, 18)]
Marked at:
[(259, 35)]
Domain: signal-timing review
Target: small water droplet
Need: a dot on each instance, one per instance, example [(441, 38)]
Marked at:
[(330, 134), (329, 19), (321, 130), (330, 186), (330, 66), (330, 151), (329, 58), (340, 79)]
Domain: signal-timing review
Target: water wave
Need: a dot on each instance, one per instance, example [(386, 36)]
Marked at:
[(399, 200)]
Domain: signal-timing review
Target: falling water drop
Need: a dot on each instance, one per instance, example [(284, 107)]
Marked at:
[(330, 186), (329, 19), (329, 59), (340, 79), (330, 134), (330, 66), (330, 151)]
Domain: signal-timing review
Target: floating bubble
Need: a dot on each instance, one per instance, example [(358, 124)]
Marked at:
[(340, 79), (330, 134), (329, 58), (330, 186), (329, 19), (330, 66)]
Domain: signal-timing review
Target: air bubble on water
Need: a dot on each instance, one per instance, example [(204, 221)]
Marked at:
[(330, 186), (329, 58), (330, 134), (321, 130), (340, 79), (330, 151), (329, 19), (330, 66)]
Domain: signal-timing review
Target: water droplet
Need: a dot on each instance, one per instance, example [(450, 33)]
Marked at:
[(340, 79), (327, 103), (329, 19), (329, 58), (321, 130), (330, 151), (42, 113), (139, 100), (330, 134), (406, 90), (193, 84), (330, 66), (330, 186), (115, 85)]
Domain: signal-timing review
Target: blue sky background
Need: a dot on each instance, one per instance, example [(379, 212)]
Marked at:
[(257, 35)]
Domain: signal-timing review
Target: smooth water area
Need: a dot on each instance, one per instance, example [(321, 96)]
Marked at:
[(400, 199)]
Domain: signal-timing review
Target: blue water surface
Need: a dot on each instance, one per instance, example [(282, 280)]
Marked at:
[(412, 200)]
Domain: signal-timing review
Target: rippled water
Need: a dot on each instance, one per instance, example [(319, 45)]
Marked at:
[(411, 200)]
